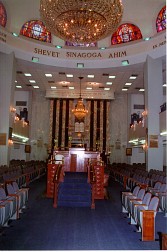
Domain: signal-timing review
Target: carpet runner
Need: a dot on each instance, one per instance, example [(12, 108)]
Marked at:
[(75, 190)]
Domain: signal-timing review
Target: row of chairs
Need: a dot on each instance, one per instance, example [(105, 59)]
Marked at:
[(141, 207), (21, 171), (12, 201)]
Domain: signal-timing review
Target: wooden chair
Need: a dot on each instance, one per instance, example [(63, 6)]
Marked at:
[(8, 208), (146, 219), (137, 202), (125, 196)]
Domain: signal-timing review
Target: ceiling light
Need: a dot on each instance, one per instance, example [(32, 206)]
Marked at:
[(124, 89), (81, 21), (125, 62), (32, 81), (108, 83), (18, 86), (15, 81), (148, 38), (35, 59), (111, 76), (35, 86), (48, 75), (163, 133), (15, 34), (141, 89), (128, 84), (164, 85), (27, 74), (58, 46), (89, 88), (133, 77), (102, 48), (53, 87), (106, 88), (80, 65), (71, 87), (69, 75), (91, 76)]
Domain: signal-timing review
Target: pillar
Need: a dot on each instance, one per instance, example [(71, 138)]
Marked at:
[(153, 82), (7, 80)]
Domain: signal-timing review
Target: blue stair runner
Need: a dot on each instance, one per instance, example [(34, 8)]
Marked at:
[(75, 190)]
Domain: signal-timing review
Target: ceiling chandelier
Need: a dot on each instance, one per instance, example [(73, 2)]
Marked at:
[(79, 111), (81, 21)]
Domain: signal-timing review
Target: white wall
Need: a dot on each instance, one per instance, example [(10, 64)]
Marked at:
[(118, 128), (40, 123)]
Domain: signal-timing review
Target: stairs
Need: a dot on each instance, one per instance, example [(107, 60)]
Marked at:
[(74, 191)]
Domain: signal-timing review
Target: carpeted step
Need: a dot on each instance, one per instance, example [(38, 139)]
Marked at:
[(74, 197), (73, 204), (75, 191)]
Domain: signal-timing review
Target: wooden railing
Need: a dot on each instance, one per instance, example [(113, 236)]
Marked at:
[(92, 181), (56, 181)]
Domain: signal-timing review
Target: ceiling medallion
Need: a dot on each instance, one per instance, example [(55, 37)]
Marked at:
[(81, 21)]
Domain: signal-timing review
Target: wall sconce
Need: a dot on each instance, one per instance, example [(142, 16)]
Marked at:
[(144, 113), (145, 147), (12, 110), (10, 142), (16, 119)]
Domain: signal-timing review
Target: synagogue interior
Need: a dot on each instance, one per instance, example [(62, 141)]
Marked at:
[(83, 125)]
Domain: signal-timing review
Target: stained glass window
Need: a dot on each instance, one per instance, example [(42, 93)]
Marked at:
[(126, 33), (37, 30), (80, 44), (3, 15), (161, 20)]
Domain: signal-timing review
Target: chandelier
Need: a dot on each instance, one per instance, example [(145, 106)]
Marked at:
[(79, 111), (81, 21)]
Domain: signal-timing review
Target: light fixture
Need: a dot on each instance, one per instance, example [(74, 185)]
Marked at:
[(35, 59), (79, 111), (91, 76), (125, 62), (80, 65), (128, 84), (81, 21), (147, 38), (48, 75), (58, 46), (133, 77), (69, 75), (15, 34), (27, 74)]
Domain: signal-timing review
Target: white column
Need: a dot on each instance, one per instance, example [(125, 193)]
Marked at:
[(153, 82), (7, 80)]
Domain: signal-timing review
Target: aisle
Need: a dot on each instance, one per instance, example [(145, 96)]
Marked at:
[(42, 227)]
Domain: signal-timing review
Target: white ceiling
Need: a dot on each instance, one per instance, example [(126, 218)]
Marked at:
[(139, 12)]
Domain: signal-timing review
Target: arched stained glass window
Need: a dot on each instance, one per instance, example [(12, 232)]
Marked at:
[(126, 33), (161, 20), (37, 30), (80, 44), (3, 15)]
